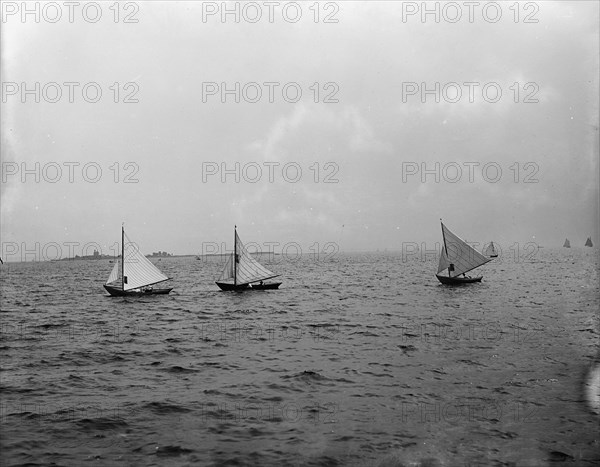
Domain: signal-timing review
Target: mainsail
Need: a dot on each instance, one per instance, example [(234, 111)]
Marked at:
[(567, 243), (244, 269), (459, 254), (588, 242), (136, 270), (490, 250)]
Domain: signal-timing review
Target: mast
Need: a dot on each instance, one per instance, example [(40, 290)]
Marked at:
[(444, 237), (122, 257), (235, 254)]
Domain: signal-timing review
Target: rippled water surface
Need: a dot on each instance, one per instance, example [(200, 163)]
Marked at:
[(362, 359)]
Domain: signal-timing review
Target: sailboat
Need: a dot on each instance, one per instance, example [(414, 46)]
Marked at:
[(458, 257), (588, 242), (491, 251), (567, 243), (243, 272), (134, 274)]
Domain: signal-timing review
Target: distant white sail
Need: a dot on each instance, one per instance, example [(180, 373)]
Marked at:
[(138, 270), (490, 250), (459, 254), (114, 274), (567, 243), (588, 242)]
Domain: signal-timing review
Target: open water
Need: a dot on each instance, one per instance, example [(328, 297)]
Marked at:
[(359, 359)]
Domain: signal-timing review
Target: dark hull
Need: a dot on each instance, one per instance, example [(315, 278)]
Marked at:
[(458, 280), (271, 286), (228, 286), (493, 256), (118, 292)]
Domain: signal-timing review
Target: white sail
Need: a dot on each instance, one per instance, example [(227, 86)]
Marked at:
[(247, 268), (444, 263), (458, 254), (114, 274), (138, 270), (244, 269), (228, 272), (490, 250)]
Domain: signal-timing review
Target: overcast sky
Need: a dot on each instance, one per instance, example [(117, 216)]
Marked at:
[(369, 131)]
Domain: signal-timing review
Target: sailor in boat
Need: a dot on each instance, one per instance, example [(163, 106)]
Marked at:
[(450, 268)]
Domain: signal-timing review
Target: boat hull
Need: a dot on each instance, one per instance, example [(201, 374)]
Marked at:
[(118, 292), (271, 286), (458, 280), (228, 286)]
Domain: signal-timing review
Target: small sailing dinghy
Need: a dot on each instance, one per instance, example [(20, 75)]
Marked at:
[(134, 274), (588, 242), (491, 251), (567, 243), (458, 257), (243, 272)]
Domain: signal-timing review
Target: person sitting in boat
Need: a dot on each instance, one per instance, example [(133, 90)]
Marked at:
[(450, 268), (261, 282)]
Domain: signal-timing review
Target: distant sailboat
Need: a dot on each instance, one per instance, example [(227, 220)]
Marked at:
[(458, 257), (243, 272), (567, 243), (588, 242), (491, 251), (134, 274)]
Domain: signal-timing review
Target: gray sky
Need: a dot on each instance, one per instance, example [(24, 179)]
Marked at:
[(371, 141)]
